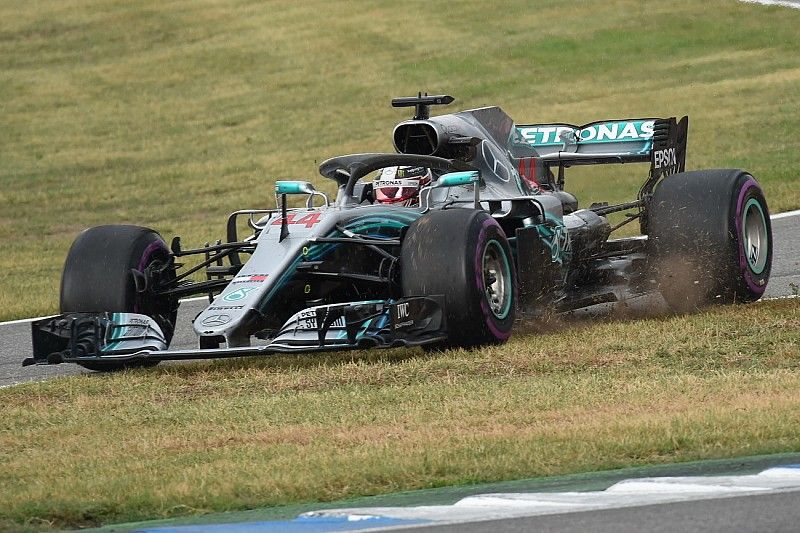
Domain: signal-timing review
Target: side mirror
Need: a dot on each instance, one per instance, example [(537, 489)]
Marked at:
[(283, 188), (458, 178), (453, 179), (294, 187)]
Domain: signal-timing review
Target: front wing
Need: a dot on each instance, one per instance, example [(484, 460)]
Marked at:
[(121, 337)]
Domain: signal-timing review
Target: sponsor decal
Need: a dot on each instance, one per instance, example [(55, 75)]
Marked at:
[(216, 320), (390, 183), (664, 158), (134, 331), (225, 307), (753, 256), (402, 315), (310, 220), (562, 242), (393, 173), (399, 184), (238, 294), (410, 171), (308, 320), (129, 325), (605, 132), (388, 173), (250, 278), (557, 239), (402, 310)]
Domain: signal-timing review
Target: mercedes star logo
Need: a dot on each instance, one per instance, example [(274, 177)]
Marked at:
[(216, 320)]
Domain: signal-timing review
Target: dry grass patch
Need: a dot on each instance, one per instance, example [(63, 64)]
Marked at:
[(256, 432)]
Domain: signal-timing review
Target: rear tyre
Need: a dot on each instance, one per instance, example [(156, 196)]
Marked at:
[(462, 254), (98, 277), (711, 238)]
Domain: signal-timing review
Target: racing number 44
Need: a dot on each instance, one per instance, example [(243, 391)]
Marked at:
[(310, 220)]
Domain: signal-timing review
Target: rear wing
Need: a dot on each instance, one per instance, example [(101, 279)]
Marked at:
[(661, 141)]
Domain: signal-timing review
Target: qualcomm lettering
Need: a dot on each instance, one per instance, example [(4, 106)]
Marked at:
[(601, 132)]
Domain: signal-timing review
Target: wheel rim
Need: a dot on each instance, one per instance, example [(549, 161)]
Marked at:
[(754, 236), (497, 279)]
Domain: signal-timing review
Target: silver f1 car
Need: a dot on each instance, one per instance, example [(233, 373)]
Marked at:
[(493, 236)]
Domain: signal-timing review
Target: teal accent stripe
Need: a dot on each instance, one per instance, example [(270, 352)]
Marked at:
[(364, 329), (553, 218), (115, 334), (364, 225)]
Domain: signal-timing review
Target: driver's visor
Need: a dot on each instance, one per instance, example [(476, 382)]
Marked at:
[(390, 191)]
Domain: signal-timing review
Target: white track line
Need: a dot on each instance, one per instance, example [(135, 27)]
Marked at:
[(787, 214), (783, 3), (785, 297), (627, 493), (198, 298)]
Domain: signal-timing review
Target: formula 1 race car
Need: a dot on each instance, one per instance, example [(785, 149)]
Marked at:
[(489, 236)]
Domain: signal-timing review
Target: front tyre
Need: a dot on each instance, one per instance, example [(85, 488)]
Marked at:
[(98, 277), (462, 254), (711, 238)]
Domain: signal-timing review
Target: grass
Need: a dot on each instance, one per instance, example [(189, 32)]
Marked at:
[(238, 434), (172, 115)]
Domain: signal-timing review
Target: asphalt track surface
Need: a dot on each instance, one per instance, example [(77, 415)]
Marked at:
[(15, 341), (769, 512)]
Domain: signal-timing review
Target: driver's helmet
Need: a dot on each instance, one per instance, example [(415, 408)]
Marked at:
[(401, 185)]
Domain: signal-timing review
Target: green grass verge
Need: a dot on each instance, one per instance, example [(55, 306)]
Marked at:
[(173, 114), (250, 433), (590, 481)]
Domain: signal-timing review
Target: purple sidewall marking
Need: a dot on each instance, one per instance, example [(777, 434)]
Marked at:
[(487, 313), (148, 252), (743, 266), (143, 262)]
